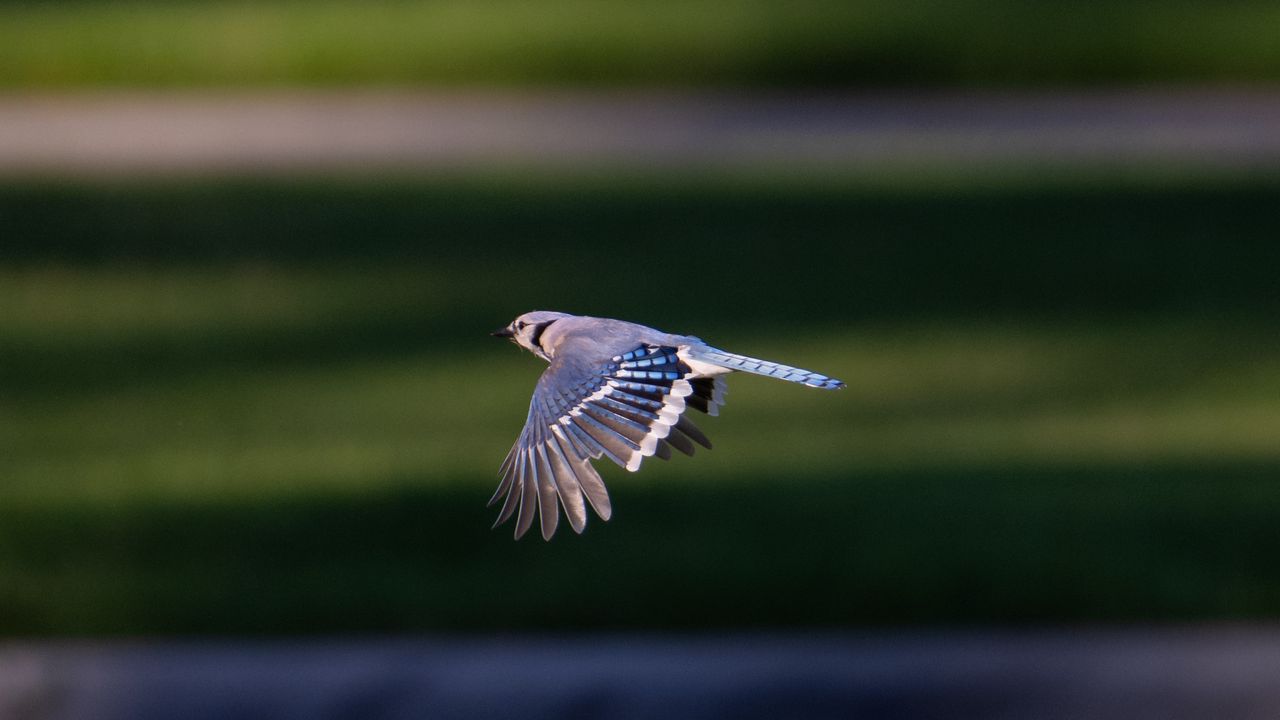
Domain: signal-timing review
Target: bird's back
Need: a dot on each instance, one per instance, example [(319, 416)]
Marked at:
[(593, 339)]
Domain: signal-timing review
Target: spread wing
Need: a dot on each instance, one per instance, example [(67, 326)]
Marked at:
[(626, 409)]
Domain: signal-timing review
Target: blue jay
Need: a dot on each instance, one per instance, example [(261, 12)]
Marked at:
[(615, 389)]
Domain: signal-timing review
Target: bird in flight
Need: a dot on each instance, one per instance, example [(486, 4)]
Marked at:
[(614, 389)]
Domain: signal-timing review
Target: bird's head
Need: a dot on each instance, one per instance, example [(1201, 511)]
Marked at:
[(526, 330)]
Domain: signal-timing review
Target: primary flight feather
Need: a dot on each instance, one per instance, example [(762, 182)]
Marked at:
[(614, 389)]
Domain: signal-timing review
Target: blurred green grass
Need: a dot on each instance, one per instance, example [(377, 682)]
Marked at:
[(273, 406), (581, 42)]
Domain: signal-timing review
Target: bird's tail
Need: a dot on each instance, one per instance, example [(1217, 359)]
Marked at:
[(730, 361)]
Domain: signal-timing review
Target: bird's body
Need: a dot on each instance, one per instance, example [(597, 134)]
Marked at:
[(614, 389)]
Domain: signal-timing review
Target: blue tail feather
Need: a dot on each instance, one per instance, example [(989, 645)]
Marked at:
[(757, 366)]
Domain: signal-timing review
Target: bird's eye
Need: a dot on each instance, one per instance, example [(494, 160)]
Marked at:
[(520, 325)]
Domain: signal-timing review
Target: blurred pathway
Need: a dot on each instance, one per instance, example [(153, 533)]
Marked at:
[(293, 131), (1116, 674)]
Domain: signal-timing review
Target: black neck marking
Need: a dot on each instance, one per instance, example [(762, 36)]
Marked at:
[(536, 339)]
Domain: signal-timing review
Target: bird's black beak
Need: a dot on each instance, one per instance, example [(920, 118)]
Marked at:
[(503, 333)]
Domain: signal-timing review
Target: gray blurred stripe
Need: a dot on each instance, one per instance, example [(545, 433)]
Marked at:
[(1167, 674), (303, 130)]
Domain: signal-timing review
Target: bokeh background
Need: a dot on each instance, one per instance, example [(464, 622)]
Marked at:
[(263, 402)]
